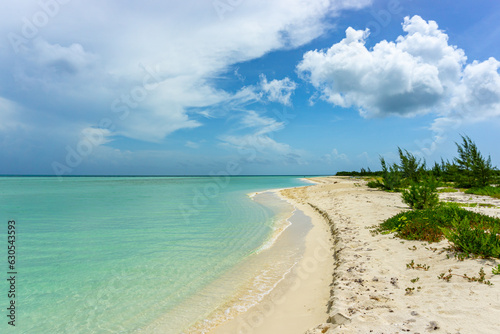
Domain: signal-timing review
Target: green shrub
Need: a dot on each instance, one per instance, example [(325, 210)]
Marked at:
[(427, 224), (447, 190), (472, 169), (373, 184), (410, 166), (486, 191), (480, 239), (422, 195), (391, 177)]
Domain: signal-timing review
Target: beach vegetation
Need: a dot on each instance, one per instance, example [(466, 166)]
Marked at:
[(363, 172), (447, 190), (496, 270), (480, 238), (481, 278), (473, 170), (468, 170), (485, 191), (430, 225), (391, 176), (469, 233), (423, 194), (446, 277), (475, 205), (413, 265), (410, 166), (373, 184)]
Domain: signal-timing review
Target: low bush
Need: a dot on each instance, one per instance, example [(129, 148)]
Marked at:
[(486, 191), (480, 239), (422, 195), (447, 190), (374, 184), (428, 224)]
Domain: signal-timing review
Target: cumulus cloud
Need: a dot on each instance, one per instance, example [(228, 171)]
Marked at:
[(418, 73), (278, 90)]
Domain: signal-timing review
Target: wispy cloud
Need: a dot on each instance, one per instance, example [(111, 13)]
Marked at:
[(278, 90), (100, 49)]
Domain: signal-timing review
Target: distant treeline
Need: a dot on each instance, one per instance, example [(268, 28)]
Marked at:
[(469, 169), (362, 172)]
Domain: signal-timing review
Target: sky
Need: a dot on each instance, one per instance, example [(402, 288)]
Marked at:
[(288, 87)]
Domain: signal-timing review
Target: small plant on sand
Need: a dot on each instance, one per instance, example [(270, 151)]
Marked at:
[(412, 265), (496, 270), (422, 195), (415, 280), (480, 279), (445, 277), (447, 190), (485, 191)]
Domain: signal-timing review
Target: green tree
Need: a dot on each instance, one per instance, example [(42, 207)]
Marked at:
[(473, 170), (391, 176), (411, 167), (423, 194)]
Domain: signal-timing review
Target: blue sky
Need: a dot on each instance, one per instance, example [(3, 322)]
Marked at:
[(243, 87)]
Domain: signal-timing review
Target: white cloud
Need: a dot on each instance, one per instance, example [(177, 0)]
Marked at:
[(60, 59), (96, 136), (192, 144), (9, 115), (335, 156), (419, 73), (106, 43), (261, 124), (278, 90), (258, 143)]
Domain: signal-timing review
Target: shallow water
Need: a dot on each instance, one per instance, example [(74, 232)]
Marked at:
[(121, 254)]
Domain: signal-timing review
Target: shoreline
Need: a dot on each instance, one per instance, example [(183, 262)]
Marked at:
[(372, 289), (298, 301)]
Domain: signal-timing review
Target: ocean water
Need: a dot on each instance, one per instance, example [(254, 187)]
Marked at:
[(139, 254)]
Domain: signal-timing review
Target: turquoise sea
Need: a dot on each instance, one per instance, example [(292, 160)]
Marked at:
[(138, 254)]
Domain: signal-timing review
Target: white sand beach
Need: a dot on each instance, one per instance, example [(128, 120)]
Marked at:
[(364, 285)]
